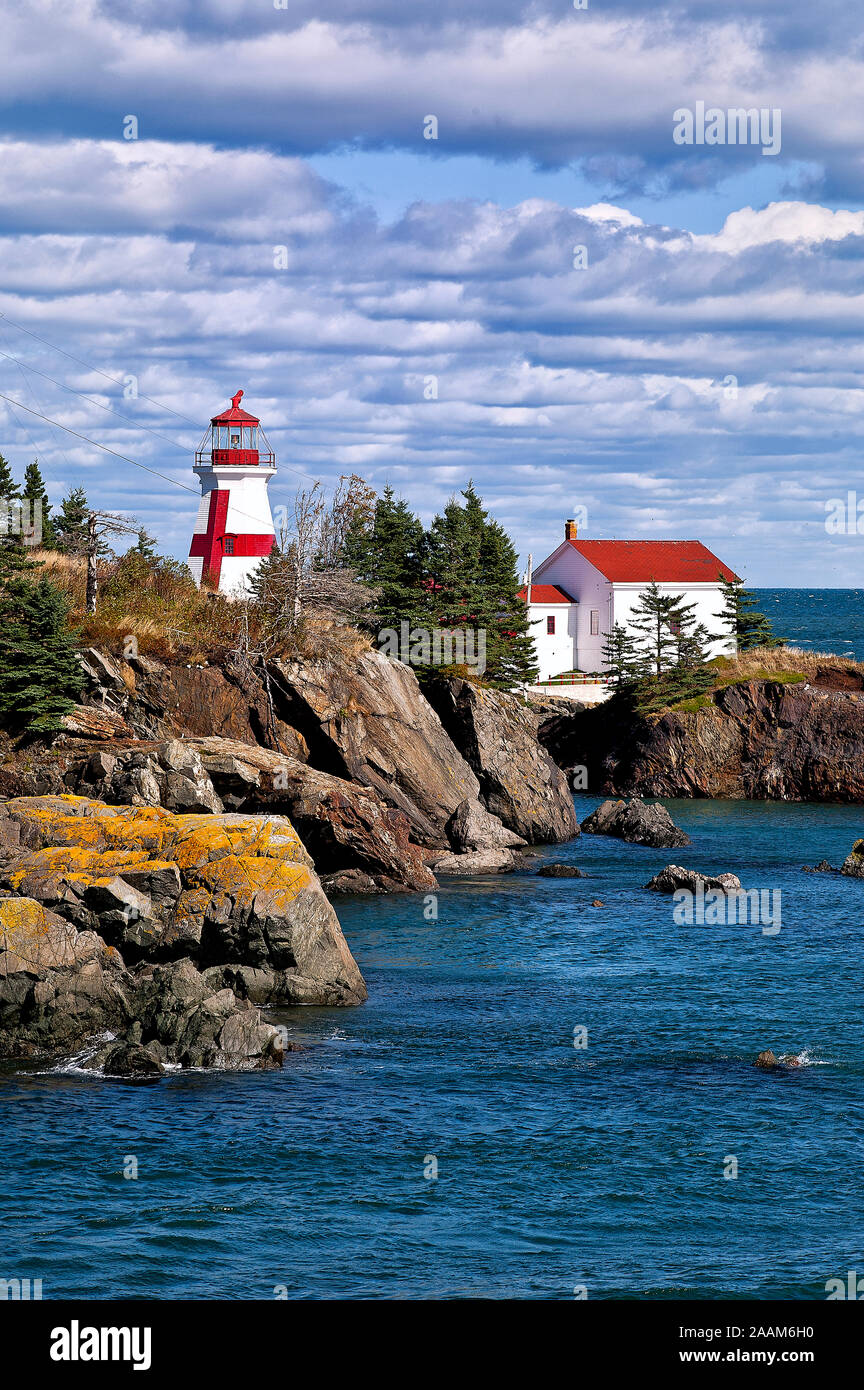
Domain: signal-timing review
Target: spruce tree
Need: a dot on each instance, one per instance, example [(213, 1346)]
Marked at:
[(652, 617), (40, 678), (9, 489), (386, 555), (511, 658), (71, 524), (37, 497), (471, 582), (743, 621), (145, 546), (622, 657), (13, 553), (693, 640)]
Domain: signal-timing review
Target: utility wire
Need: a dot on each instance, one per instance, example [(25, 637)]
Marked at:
[(125, 457), (98, 370), (97, 445), (136, 423)]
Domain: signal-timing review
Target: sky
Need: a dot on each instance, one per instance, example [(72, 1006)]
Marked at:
[(435, 243)]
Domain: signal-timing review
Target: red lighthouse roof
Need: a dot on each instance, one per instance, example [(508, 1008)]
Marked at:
[(234, 415)]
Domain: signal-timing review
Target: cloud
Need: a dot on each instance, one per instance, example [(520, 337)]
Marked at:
[(594, 88), (683, 385), (786, 222)]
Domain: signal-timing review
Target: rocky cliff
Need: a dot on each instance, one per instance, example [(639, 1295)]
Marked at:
[(134, 919), (517, 779), (759, 739), (160, 859), (350, 749)]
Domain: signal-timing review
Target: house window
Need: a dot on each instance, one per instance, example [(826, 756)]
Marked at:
[(228, 545), (675, 629), (550, 627), (595, 622)]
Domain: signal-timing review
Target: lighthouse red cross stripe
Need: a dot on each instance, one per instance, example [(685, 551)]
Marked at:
[(209, 544)]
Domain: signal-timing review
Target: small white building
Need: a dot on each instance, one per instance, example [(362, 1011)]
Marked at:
[(586, 586)]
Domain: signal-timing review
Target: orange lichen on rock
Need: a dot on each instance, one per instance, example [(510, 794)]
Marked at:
[(32, 939), (244, 876), (215, 888)]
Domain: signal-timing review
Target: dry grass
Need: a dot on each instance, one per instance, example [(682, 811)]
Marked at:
[(68, 572), (763, 663), (158, 604)]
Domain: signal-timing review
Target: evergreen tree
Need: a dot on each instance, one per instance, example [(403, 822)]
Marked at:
[(451, 564), (37, 497), (386, 555), (692, 643), (510, 655), (622, 657), (471, 582), (40, 678), (742, 620), (9, 489), (13, 552), (145, 546), (659, 619), (71, 524)]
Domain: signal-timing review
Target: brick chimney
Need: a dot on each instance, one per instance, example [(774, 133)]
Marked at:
[(570, 529)]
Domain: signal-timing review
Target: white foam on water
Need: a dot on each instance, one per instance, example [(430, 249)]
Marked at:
[(76, 1064)]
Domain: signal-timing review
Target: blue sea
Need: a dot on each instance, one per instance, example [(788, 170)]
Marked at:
[(448, 1140), (824, 620)]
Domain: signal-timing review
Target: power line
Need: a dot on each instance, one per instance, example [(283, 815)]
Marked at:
[(98, 370), (97, 445), (197, 424), (125, 457), (129, 421)]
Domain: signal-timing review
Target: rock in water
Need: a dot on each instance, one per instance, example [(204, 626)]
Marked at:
[(472, 827), (519, 783), (482, 861), (221, 889), (767, 1061), (673, 878), (561, 871), (853, 864), (60, 987), (637, 823)]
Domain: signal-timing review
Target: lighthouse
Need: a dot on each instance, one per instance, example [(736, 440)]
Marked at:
[(234, 530)]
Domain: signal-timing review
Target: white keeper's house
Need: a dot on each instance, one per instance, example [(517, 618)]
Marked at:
[(586, 586)]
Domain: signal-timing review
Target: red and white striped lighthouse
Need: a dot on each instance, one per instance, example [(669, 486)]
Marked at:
[(234, 530)]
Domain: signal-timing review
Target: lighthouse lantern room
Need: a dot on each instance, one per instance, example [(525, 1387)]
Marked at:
[(234, 530)]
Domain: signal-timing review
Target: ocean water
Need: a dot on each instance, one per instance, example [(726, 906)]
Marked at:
[(825, 620), (557, 1167)]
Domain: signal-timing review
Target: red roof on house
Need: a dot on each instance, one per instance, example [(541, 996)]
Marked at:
[(669, 562), (546, 593)]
